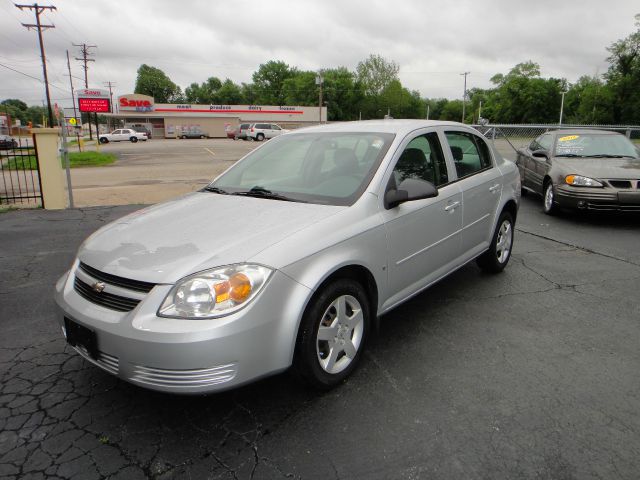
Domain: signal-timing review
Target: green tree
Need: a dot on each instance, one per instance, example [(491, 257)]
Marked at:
[(229, 93), (269, 80), (376, 73), (154, 82), (589, 101), (342, 93), (452, 111), (623, 77)]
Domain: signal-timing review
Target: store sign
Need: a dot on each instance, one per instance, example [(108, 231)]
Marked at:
[(94, 100), (100, 105), (136, 103)]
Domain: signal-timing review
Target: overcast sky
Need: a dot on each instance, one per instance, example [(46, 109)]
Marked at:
[(191, 40)]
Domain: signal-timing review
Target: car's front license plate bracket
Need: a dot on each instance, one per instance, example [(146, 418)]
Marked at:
[(79, 335)]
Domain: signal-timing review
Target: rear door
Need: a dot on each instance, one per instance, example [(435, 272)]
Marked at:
[(480, 182)]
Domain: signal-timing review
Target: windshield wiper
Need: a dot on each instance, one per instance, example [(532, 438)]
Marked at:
[(211, 189), (261, 192), (572, 155)]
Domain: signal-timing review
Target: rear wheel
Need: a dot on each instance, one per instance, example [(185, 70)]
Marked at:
[(104, 140), (201, 136), (332, 334), (133, 139), (260, 137), (496, 258)]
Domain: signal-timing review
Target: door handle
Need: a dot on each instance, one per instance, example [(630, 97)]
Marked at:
[(494, 188), (452, 206)]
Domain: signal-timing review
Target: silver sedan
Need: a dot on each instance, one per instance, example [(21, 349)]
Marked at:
[(286, 259)]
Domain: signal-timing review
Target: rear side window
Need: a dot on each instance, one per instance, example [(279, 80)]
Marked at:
[(470, 153)]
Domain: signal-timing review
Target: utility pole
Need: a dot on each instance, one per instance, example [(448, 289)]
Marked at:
[(38, 9), (73, 100), (110, 85), (84, 50), (464, 95)]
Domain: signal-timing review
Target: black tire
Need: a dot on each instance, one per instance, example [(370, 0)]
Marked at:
[(496, 258), (310, 351), (201, 136), (103, 140), (260, 137), (524, 192), (133, 139), (548, 199)]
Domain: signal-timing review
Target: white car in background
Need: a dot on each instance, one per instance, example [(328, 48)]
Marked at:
[(122, 135), (262, 131)]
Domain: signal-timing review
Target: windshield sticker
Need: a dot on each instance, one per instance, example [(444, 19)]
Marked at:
[(568, 138)]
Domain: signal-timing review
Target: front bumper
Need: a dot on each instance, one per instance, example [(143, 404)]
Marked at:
[(190, 356), (598, 199)]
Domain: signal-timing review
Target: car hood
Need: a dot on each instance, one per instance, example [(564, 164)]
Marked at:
[(166, 242), (618, 168)]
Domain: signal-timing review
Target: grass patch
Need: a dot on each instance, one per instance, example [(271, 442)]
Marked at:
[(77, 159), (90, 159)]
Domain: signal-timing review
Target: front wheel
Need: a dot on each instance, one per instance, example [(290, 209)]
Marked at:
[(496, 258), (548, 206), (133, 139), (103, 140), (332, 334)]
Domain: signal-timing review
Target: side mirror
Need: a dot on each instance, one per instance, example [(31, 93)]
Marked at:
[(540, 154), (409, 189)]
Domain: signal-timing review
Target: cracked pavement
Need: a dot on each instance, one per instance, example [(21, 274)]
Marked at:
[(533, 373)]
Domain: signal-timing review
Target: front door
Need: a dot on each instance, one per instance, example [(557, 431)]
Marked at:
[(424, 235)]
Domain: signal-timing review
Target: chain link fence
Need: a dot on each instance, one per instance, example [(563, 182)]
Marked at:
[(508, 139)]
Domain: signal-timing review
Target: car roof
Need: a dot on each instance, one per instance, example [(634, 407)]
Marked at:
[(583, 131), (397, 126)]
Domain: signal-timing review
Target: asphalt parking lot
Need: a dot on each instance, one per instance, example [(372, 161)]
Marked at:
[(533, 373), (155, 170)]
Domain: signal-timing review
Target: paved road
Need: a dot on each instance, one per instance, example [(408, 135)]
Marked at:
[(533, 373)]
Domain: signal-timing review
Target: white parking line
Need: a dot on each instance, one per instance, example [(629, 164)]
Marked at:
[(210, 152)]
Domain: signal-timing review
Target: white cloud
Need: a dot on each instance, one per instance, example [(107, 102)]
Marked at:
[(432, 41)]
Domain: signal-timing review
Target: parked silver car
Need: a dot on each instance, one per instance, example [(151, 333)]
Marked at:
[(288, 257)]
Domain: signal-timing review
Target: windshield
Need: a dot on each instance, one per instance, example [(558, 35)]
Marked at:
[(328, 168), (594, 145)]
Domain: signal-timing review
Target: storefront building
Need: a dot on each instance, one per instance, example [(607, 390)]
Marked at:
[(171, 120)]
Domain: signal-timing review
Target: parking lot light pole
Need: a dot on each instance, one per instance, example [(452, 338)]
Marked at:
[(319, 83), (561, 107)]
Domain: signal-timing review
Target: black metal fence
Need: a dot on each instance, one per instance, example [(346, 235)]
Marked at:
[(19, 172)]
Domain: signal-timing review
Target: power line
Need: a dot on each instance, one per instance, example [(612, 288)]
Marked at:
[(84, 50), (38, 9)]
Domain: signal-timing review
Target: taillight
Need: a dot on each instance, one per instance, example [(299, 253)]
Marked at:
[(251, 129)]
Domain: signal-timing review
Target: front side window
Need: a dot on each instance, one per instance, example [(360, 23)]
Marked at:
[(470, 153), (327, 168), (422, 159), (275, 127)]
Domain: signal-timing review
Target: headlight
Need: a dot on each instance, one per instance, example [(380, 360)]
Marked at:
[(214, 293), (580, 181)]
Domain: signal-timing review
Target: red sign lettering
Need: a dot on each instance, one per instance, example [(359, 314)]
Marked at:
[(125, 102)]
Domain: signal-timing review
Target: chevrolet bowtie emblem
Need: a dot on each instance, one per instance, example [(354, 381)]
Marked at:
[(98, 287)]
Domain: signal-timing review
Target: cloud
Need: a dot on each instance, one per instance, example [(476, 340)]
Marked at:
[(433, 41)]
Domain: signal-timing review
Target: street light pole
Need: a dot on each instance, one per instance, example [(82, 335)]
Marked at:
[(464, 95), (561, 107), (319, 83)]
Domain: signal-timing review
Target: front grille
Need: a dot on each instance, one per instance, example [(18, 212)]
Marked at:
[(620, 183), (105, 361), (135, 285), (107, 300), (204, 377)]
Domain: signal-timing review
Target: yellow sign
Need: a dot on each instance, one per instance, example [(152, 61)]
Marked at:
[(73, 121), (568, 138)]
